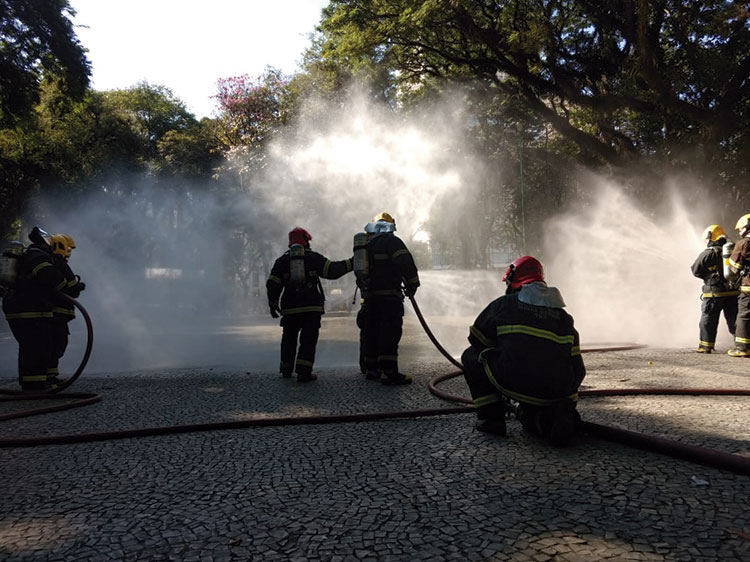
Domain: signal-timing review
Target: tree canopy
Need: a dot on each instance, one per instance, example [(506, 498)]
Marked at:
[(37, 39), (619, 78)]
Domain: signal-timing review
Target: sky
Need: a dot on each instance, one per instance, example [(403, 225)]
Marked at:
[(187, 45)]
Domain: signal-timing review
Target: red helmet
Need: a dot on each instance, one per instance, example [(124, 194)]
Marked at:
[(299, 236), (522, 271)]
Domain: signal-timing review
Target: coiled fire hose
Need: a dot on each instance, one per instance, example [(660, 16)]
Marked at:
[(80, 398), (701, 455)]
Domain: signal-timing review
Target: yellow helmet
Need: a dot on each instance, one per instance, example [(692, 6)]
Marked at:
[(384, 217), (743, 225), (62, 244), (714, 233), (381, 223)]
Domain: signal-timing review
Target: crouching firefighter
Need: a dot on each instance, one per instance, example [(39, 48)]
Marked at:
[(525, 350), (30, 306), (718, 295), (294, 291)]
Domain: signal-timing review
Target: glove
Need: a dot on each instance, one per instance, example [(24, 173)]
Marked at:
[(410, 290), (274, 310), (81, 286)]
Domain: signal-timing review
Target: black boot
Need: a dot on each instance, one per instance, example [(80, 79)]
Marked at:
[(564, 424), (393, 379), (491, 419), (495, 426)]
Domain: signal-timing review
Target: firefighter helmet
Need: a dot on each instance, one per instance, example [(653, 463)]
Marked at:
[(299, 236), (714, 233), (61, 244), (743, 225), (382, 222), (522, 271), (384, 217)]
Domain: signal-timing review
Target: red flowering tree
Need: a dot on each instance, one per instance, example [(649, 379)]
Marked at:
[(251, 109)]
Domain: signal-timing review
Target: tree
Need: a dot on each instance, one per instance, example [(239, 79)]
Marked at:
[(72, 148), (152, 111), (619, 78), (251, 109), (37, 40), (190, 153)]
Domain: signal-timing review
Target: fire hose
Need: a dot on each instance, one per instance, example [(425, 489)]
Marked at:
[(693, 453), (700, 455), (80, 398)]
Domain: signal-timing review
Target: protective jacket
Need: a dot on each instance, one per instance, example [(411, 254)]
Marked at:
[(391, 265), (529, 348), (740, 260), (63, 309), (709, 266), (39, 278), (307, 297)]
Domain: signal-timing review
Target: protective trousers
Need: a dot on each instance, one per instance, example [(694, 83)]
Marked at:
[(742, 334), (305, 327), (361, 325), (383, 321), (37, 364), (711, 309), (488, 400), (60, 335)]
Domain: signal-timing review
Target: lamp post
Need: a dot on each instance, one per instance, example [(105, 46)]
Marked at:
[(519, 128)]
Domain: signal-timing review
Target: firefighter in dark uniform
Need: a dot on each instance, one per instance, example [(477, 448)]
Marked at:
[(739, 266), (299, 298), (718, 296), (29, 308), (525, 351), (392, 273), (63, 310)]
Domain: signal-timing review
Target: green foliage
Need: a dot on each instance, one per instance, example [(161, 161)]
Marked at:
[(37, 39), (191, 153), (151, 111), (72, 147), (619, 79)]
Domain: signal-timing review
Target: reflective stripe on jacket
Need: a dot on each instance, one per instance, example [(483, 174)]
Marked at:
[(307, 297), (39, 278), (531, 353), (391, 266)]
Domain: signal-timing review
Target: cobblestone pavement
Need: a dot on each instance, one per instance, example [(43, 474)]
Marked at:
[(428, 489)]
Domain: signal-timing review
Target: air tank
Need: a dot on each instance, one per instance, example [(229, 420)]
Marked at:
[(9, 263), (361, 263), (297, 264)]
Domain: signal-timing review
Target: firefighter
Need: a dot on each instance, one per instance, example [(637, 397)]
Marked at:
[(525, 351), (63, 310), (294, 291), (29, 307), (739, 267), (392, 273), (718, 296)]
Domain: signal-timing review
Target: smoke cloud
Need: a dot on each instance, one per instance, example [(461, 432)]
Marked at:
[(165, 288), (624, 269), (160, 264)]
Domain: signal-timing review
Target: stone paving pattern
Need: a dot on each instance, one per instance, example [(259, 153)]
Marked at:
[(431, 489)]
